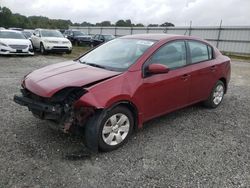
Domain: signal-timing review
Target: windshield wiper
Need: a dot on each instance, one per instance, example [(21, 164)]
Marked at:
[(94, 65)]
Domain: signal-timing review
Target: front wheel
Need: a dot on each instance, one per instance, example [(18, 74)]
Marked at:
[(216, 95), (112, 131), (42, 49), (69, 52)]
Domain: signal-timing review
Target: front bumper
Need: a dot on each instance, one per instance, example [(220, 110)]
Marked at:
[(5, 50), (40, 109), (58, 47), (84, 41)]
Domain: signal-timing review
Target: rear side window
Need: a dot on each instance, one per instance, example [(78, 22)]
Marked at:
[(199, 51), (173, 55)]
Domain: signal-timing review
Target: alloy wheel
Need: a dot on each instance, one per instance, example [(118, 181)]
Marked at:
[(115, 129), (218, 94)]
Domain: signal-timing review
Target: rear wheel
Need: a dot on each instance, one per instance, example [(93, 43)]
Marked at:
[(216, 95)]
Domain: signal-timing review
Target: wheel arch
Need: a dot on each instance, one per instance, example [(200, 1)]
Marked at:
[(224, 82), (132, 107)]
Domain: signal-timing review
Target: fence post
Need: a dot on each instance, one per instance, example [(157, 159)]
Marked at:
[(190, 28), (131, 30), (147, 29), (115, 30), (88, 30), (218, 38), (101, 30), (165, 30)]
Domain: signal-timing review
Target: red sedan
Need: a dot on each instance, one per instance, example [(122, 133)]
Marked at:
[(113, 89)]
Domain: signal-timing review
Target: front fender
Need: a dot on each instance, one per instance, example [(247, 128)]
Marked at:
[(101, 101)]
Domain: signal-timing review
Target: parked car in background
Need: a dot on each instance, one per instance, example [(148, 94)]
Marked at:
[(77, 37), (14, 42), (28, 33), (47, 40), (16, 28), (125, 82), (99, 39)]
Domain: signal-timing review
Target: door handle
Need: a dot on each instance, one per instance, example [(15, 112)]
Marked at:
[(185, 76), (213, 68)]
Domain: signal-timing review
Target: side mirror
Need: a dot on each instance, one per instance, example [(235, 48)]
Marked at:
[(157, 69)]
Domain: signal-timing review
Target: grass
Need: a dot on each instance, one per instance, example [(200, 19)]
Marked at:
[(238, 56), (76, 52)]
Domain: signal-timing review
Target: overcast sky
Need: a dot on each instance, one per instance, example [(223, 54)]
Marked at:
[(179, 12)]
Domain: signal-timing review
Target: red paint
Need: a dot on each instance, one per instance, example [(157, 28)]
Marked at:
[(152, 96)]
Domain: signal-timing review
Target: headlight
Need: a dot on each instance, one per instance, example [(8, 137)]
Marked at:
[(2, 44)]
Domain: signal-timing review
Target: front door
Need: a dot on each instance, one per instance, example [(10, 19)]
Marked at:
[(166, 92)]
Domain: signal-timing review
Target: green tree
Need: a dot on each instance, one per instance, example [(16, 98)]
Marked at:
[(153, 25), (167, 24), (104, 23), (139, 25)]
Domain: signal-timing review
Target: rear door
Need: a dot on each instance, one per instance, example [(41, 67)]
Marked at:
[(162, 93), (203, 70)]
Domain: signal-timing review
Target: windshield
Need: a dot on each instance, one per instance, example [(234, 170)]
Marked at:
[(51, 33), (78, 33), (27, 34), (11, 35), (109, 37), (118, 54)]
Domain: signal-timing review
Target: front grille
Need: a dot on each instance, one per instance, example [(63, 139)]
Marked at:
[(18, 47), (60, 47)]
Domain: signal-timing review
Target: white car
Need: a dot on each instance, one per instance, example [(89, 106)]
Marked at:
[(47, 40), (14, 42)]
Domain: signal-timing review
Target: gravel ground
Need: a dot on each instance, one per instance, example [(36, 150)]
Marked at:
[(193, 147)]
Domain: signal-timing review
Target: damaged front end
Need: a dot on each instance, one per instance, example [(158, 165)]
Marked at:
[(59, 108)]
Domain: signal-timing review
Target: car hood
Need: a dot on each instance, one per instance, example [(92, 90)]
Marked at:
[(83, 36), (46, 81), (60, 39), (15, 41)]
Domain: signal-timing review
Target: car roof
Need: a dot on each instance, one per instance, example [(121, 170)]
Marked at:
[(158, 37)]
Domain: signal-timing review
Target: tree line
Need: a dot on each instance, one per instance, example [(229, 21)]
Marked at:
[(9, 19)]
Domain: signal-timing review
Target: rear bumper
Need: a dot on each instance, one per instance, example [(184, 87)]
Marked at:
[(36, 106)]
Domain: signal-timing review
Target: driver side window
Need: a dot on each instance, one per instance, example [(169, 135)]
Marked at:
[(172, 55)]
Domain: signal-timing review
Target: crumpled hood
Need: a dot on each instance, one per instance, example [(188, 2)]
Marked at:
[(48, 80)]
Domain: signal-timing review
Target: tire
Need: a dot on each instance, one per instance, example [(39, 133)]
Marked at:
[(42, 49), (104, 132), (69, 52), (216, 96)]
